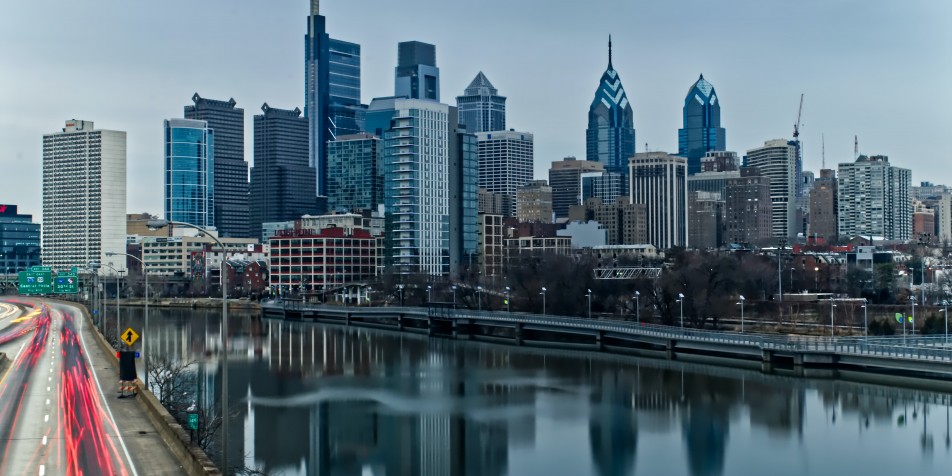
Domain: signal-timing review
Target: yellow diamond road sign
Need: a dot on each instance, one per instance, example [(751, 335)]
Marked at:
[(129, 336)]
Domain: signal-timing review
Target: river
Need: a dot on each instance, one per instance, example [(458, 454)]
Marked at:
[(311, 399)]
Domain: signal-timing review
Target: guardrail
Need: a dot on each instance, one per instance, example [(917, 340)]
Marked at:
[(933, 348)]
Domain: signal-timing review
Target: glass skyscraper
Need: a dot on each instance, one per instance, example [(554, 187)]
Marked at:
[(282, 181), (19, 240), (355, 173), (702, 131), (189, 172), (481, 108), (332, 92), (610, 137), (417, 76), (230, 169)]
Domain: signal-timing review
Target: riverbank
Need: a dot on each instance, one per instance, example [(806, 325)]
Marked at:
[(189, 303)]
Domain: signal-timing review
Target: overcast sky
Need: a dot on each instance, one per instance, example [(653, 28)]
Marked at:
[(877, 69)]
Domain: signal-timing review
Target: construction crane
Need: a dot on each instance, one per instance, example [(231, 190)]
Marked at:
[(796, 127)]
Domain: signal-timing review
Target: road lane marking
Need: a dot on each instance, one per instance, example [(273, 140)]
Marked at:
[(46, 419), (44, 440), (42, 469), (47, 401)]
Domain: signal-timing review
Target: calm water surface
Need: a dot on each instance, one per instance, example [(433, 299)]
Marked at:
[(325, 400)]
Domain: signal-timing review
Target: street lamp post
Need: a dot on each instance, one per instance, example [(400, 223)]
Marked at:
[(638, 306), (145, 327), (865, 322), (913, 319), (681, 302), (832, 327), (479, 298), (157, 224), (589, 303), (508, 297), (454, 295), (945, 310), (742, 299), (816, 279), (429, 293), (543, 299), (791, 280), (117, 302)]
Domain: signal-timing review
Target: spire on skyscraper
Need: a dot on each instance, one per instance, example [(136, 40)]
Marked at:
[(609, 51), (315, 7)]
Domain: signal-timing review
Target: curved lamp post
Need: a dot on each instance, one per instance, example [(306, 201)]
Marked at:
[(589, 295), (543, 299), (681, 302), (638, 306), (742, 299), (158, 224)]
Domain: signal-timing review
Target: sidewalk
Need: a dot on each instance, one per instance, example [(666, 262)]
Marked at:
[(149, 452)]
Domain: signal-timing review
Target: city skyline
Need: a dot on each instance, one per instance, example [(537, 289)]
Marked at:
[(132, 85)]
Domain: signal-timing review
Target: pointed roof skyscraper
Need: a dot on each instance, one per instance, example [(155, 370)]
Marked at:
[(702, 131), (610, 137), (481, 108)]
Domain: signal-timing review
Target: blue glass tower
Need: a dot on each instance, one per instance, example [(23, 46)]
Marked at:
[(331, 90), (189, 172), (702, 131), (610, 137)]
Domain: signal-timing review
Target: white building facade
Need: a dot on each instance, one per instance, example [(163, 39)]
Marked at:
[(873, 199), (84, 197), (659, 182), (504, 161), (777, 160)]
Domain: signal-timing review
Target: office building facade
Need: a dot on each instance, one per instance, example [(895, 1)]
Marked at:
[(230, 182), (701, 131), (189, 172), (317, 260), (19, 241), (565, 180), (610, 137), (84, 196), (748, 209), (355, 173), (282, 185), (659, 182), (705, 220), (416, 75), (777, 160), (534, 202), (873, 199), (481, 108), (331, 93), (489, 244), (823, 207), (505, 161), (605, 186)]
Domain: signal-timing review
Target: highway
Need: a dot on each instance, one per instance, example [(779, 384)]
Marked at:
[(54, 416)]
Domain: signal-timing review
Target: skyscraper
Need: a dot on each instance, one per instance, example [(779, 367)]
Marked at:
[(534, 202), (481, 108), (19, 240), (659, 182), (230, 171), (702, 131), (332, 92), (610, 137), (282, 185), (505, 162), (777, 160), (823, 207), (417, 76), (84, 196), (355, 173), (565, 180), (189, 172), (748, 208), (429, 185), (873, 199)]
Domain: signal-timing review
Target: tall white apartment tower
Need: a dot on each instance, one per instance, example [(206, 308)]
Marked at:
[(84, 196), (659, 182), (777, 160), (873, 199), (505, 162)]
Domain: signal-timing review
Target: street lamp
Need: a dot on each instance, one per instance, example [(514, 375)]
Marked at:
[(429, 293), (831, 317), (117, 300), (681, 302), (543, 299), (454, 295), (945, 310), (400, 287), (589, 303), (479, 296), (742, 299), (865, 322), (508, 291), (158, 224), (791, 279), (638, 306), (913, 319), (816, 279), (145, 327)]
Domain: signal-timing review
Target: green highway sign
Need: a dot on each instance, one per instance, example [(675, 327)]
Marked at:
[(193, 421), (35, 281), (66, 284)]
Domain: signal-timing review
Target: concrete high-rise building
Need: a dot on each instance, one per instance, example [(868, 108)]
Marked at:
[(230, 184), (332, 93), (481, 108), (505, 161), (777, 160), (282, 185), (943, 219), (748, 209), (84, 196), (355, 173), (702, 131), (429, 186), (489, 244), (873, 199), (417, 76), (496, 203), (605, 186), (534, 202), (624, 223), (659, 182), (19, 240), (823, 207), (923, 223), (705, 220), (565, 180), (610, 137), (189, 172)]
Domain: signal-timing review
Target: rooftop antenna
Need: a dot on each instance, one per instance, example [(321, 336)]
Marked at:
[(315, 7), (855, 147), (609, 48), (823, 142)]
